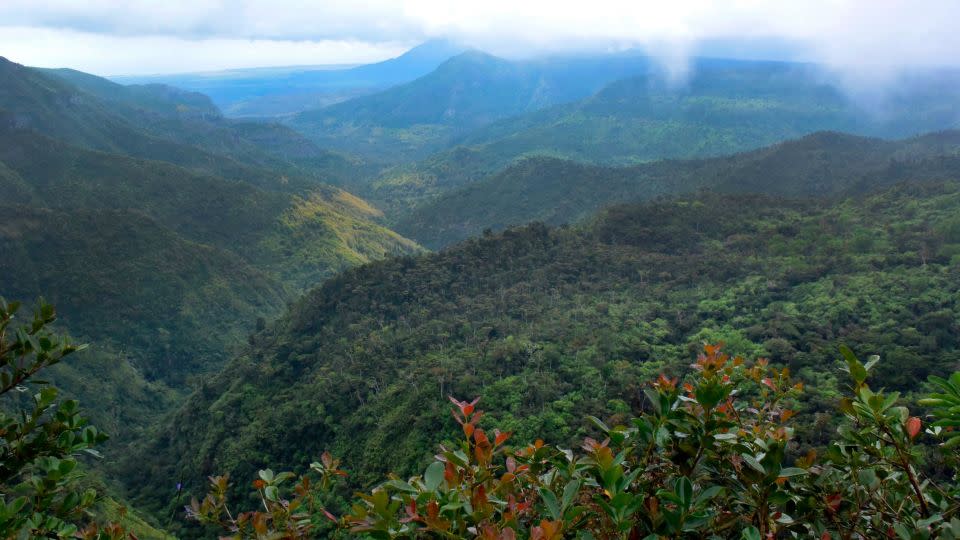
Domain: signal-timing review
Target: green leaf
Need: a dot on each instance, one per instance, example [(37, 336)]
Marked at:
[(856, 369), (434, 475), (753, 462), (792, 471), (684, 489), (550, 501), (570, 493)]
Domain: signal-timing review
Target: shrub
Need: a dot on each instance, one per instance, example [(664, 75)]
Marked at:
[(709, 457)]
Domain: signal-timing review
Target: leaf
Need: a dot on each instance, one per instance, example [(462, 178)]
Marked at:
[(913, 426), (570, 493), (752, 462), (856, 369), (684, 489), (792, 471), (434, 475), (550, 501)]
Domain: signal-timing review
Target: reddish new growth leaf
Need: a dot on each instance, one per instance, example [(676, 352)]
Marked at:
[(412, 514), (913, 426), (665, 384), (547, 530), (466, 409)]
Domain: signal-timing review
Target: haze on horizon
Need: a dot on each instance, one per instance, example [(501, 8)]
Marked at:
[(109, 37)]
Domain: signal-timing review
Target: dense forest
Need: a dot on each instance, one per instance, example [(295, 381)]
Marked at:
[(655, 287), (556, 191), (553, 325)]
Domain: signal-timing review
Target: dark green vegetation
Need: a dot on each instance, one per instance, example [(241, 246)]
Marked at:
[(171, 236), (709, 456), (465, 92), (724, 107), (551, 325), (557, 191), (162, 231), (45, 491)]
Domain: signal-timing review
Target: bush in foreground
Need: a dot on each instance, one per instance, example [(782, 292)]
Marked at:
[(708, 458)]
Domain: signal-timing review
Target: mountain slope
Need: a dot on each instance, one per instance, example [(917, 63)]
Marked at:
[(122, 280), (725, 107), (550, 325), (302, 238), (558, 191), (465, 92), (159, 123)]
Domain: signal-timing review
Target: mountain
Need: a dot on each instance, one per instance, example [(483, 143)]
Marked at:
[(160, 123), (464, 93), (724, 107), (557, 191), (550, 325), (129, 284), (299, 238), (217, 221), (283, 91)]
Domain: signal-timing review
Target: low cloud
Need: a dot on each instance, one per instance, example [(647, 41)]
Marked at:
[(868, 38)]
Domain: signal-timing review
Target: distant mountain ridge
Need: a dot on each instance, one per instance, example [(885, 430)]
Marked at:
[(284, 91), (725, 107), (467, 91), (558, 191)]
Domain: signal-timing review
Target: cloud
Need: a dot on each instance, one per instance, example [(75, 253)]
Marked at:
[(872, 36), (105, 54)]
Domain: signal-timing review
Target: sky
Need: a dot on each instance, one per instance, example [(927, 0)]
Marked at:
[(126, 37)]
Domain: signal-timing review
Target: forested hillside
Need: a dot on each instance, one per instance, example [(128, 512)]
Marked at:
[(256, 294), (160, 123), (467, 91), (164, 233), (557, 191), (550, 325), (725, 107)]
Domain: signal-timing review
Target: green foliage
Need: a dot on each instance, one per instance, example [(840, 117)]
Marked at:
[(559, 191), (39, 446), (707, 458), (216, 253), (553, 325)]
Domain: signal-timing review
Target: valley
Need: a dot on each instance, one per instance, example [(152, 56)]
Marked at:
[(273, 264)]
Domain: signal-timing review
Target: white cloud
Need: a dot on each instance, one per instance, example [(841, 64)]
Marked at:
[(105, 54), (872, 35)]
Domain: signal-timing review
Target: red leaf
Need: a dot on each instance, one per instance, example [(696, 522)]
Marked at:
[(913, 426)]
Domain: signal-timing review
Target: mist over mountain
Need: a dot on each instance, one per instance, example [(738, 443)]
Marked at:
[(284, 91), (291, 244)]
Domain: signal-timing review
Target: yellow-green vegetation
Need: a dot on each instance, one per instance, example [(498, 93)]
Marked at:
[(327, 231), (112, 511)]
